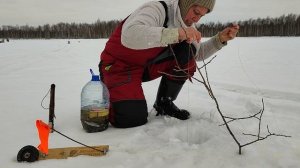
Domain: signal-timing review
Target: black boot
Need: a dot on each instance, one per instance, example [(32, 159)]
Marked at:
[(167, 92)]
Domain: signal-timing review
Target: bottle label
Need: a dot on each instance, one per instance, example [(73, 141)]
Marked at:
[(94, 113)]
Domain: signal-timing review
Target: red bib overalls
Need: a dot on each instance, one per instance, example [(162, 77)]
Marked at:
[(123, 70)]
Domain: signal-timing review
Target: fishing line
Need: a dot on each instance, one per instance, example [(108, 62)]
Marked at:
[(188, 93), (76, 140), (44, 99), (245, 72)]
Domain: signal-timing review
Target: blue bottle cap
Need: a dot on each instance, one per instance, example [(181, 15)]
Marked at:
[(94, 77)]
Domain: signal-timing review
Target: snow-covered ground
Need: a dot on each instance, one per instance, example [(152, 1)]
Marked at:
[(243, 73)]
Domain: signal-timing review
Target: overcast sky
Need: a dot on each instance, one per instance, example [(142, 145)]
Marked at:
[(40, 12)]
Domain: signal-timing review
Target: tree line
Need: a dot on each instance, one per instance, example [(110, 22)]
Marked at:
[(99, 29), (285, 25)]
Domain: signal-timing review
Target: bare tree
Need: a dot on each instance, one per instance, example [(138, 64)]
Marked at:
[(226, 119)]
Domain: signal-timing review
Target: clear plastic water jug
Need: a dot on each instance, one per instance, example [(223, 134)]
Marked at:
[(94, 105)]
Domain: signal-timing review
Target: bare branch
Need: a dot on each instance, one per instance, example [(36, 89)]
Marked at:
[(205, 64), (241, 118), (206, 83), (263, 138), (262, 111), (177, 76)]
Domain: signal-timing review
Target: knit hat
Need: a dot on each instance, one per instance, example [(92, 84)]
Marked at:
[(185, 5)]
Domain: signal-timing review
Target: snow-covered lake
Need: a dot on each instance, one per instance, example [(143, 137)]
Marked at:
[(243, 73)]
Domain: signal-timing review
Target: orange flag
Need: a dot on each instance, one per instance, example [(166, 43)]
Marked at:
[(44, 131)]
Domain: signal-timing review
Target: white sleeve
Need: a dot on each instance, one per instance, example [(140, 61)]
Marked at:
[(209, 47), (143, 28)]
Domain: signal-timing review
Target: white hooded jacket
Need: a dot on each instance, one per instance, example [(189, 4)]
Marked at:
[(144, 29)]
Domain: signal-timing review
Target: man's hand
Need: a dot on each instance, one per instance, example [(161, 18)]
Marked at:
[(229, 33), (189, 34)]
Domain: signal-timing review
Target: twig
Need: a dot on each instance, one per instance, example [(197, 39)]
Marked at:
[(241, 118), (262, 138), (206, 83), (208, 62)]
